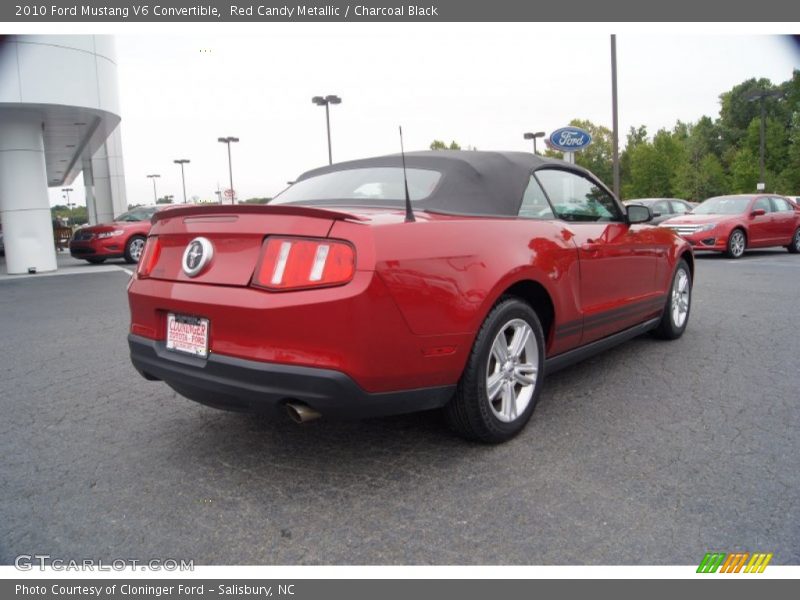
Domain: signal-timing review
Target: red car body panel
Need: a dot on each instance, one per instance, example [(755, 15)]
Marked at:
[(396, 336), (762, 231), (408, 318), (85, 243)]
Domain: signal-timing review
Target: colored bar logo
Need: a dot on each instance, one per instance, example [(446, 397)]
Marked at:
[(736, 562)]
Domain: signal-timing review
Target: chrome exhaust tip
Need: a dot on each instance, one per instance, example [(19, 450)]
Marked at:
[(300, 413)]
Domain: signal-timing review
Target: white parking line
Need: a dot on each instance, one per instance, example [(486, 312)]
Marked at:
[(764, 261), (69, 271)]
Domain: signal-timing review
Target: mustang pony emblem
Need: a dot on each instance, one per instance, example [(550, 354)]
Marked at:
[(197, 255)]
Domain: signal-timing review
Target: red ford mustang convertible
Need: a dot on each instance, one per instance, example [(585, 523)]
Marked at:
[(370, 289)]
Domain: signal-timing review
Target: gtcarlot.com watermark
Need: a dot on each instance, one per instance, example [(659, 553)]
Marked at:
[(42, 562)]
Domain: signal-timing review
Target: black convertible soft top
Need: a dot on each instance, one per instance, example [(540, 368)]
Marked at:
[(472, 183)]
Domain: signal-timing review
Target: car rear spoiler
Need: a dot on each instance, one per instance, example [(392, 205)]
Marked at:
[(260, 209)]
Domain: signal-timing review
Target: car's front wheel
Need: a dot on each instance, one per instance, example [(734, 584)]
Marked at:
[(737, 242), (794, 245), (134, 248), (503, 377), (679, 303)]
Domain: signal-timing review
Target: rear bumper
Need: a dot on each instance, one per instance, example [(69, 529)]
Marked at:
[(252, 386)]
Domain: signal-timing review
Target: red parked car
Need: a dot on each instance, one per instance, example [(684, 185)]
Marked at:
[(355, 293), (732, 224), (123, 238)]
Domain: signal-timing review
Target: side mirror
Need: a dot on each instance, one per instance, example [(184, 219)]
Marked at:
[(638, 214), (758, 212)]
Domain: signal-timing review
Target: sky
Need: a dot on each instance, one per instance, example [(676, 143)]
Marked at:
[(482, 85)]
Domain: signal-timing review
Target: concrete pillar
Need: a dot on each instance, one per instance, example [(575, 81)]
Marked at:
[(102, 186), (116, 171), (24, 203), (88, 183)]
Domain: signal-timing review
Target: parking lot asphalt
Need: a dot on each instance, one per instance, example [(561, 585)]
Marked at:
[(652, 453)]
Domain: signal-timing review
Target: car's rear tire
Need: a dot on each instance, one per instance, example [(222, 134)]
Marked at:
[(501, 382), (679, 304), (96, 261), (794, 245), (134, 248), (737, 242)]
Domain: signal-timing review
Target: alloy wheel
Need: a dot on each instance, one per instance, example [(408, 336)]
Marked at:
[(680, 298), (737, 243), (136, 247), (512, 370)]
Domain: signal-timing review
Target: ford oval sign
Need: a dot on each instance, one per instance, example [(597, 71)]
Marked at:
[(570, 139)]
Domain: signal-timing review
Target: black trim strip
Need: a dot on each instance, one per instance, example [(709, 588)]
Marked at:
[(572, 327), (560, 361)]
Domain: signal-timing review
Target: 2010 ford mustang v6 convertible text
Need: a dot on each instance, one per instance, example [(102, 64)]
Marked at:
[(369, 289)]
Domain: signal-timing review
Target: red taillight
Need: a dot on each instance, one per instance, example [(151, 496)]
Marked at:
[(149, 257), (295, 263)]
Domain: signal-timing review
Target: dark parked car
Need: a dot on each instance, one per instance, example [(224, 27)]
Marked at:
[(663, 208), (358, 293), (732, 224)]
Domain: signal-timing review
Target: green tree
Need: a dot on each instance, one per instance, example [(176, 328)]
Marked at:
[(598, 157), (701, 175), (738, 109), (636, 137), (440, 145), (790, 173), (75, 216), (776, 142), (703, 179), (744, 171), (654, 167)]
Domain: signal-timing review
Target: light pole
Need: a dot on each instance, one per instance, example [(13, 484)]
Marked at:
[(155, 195), (326, 101), (69, 204), (228, 140), (614, 117), (761, 95), (181, 162), (532, 136)]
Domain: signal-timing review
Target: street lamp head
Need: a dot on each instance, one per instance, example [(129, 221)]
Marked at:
[(760, 94), (528, 135), (228, 140), (181, 161), (333, 99), (154, 175), (539, 134), (319, 100)]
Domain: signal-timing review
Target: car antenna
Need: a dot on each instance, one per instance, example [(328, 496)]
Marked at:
[(409, 213)]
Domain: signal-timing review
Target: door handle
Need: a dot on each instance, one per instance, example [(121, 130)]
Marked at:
[(592, 247)]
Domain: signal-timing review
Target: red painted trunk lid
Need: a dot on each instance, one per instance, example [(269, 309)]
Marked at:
[(236, 234)]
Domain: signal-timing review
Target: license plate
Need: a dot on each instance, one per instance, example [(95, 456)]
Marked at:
[(187, 334)]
